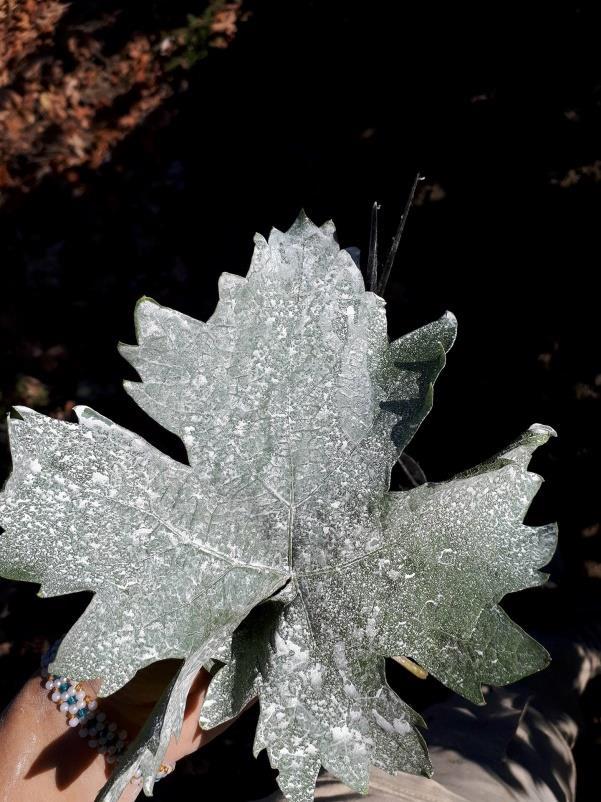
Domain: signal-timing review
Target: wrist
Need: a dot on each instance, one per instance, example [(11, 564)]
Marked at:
[(44, 758)]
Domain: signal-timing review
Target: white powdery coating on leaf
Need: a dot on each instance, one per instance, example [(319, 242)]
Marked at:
[(293, 407)]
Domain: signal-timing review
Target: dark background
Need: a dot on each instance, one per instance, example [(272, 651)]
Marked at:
[(218, 120)]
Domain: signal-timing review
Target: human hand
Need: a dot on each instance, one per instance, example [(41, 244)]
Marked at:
[(45, 760)]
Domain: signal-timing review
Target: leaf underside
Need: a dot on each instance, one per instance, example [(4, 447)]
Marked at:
[(278, 549)]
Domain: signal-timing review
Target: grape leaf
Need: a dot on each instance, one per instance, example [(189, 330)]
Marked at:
[(293, 407)]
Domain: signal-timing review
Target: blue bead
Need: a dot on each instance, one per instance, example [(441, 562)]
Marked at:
[(81, 713), (71, 700), (62, 688)]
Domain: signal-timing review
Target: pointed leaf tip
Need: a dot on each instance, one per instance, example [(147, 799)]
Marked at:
[(15, 413), (450, 323), (146, 299), (542, 429), (303, 225)]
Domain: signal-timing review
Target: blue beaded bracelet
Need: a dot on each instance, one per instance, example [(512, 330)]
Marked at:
[(80, 709)]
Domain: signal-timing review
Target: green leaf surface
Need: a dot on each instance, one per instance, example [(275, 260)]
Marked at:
[(281, 532)]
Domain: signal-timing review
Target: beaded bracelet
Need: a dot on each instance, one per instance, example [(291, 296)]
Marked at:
[(81, 708)]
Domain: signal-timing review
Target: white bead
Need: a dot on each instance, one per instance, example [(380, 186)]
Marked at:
[(49, 685), (73, 722), (73, 709), (112, 726), (92, 743), (101, 716), (93, 704), (56, 697), (65, 695), (71, 690), (83, 733), (80, 704), (57, 682), (64, 707), (122, 735), (80, 695)]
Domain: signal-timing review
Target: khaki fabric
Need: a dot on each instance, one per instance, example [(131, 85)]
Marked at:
[(383, 788)]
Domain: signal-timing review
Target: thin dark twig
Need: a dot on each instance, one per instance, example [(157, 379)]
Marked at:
[(397, 238), (372, 257)]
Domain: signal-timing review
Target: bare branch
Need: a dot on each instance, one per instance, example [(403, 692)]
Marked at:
[(372, 257), (397, 238)]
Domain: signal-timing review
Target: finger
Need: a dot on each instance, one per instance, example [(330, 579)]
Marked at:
[(192, 735)]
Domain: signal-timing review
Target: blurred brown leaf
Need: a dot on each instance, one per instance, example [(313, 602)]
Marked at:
[(31, 392), (68, 96), (592, 569)]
